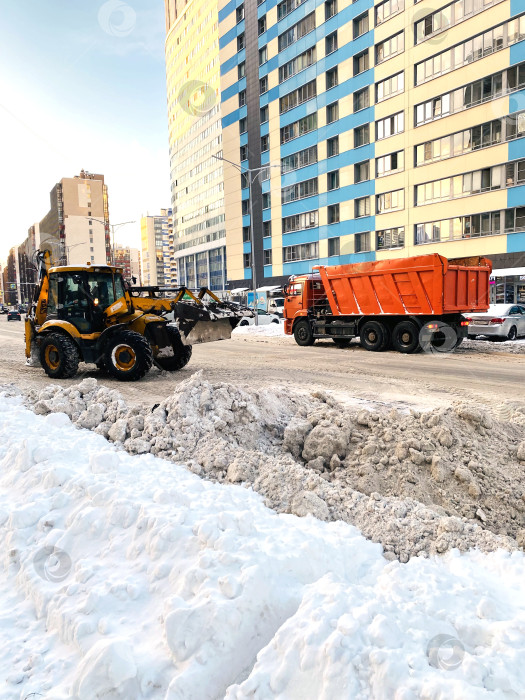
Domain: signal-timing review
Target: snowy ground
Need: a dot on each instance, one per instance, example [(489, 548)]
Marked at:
[(130, 577)]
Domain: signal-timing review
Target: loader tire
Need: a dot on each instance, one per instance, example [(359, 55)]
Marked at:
[(59, 356), (127, 356), (302, 332), (182, 353)]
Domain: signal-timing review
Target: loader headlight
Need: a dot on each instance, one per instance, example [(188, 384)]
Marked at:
[(95, 302)]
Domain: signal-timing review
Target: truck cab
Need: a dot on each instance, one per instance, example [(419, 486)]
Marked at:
[(303, 293)]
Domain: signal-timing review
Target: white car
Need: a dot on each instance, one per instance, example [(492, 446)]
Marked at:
[(264, 319), (505, 321)]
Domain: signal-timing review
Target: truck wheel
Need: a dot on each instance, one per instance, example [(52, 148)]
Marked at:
[(181, 356), (405, 337), (302, 332), (128, 356), (374, 336), (59, 356)]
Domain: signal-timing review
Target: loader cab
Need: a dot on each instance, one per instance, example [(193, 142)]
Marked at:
[(80, 296)]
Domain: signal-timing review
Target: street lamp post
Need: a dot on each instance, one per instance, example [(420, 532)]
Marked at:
[(249, 171), (113, 229)]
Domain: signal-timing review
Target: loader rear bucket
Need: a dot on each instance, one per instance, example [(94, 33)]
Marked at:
[(206, 323)]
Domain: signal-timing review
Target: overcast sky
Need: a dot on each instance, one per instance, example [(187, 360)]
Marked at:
[(82, 85)]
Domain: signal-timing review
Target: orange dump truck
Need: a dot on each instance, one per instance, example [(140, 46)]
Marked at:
[(401, 304)]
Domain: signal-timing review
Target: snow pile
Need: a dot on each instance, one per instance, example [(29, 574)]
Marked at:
[(269, 329), (416, 483), (129, 577), (514, 347)]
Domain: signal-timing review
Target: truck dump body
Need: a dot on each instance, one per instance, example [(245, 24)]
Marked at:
[(426, 285)]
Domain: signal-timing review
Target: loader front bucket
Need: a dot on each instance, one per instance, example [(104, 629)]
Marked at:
[(205, 323)]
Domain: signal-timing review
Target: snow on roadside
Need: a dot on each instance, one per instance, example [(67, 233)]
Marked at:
[(480, 346), (129, 577), (270, 330)]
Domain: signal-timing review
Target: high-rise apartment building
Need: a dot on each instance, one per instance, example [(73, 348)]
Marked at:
[(374, 130), (76, 228), (156, 256), (195, 136), (129, 260)]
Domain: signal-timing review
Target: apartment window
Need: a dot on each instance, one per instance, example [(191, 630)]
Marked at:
[(297, 64), (261, 25), (299, 160), (390, 126), (267, 229), (334, 247), (241, 70), (265, 143), (264, 114), (361, 62), (90, 231), (362, 171), (267, 257), (299, 190), (515, 126), (243, 125), (266, 200), (297, 97), (332, 147), (361, 135), (92, 258), (479, 136), (265, 173), (245, 207), (305, 251), (390, 86), (332, 112), (244, 181), (302, 28), (392, 163), (471, 50), (333, 214), (387, 9), (263, 55), (91, 250), (390, 238), (464, 185), (284, 8), (243, 153), (240, 42), (361, 99), (360, 25), (361, 207), (362, 242), (330, 9), (263, 85), (242, 98), (300, 222), (390, 201), (239, 13), (331, 78), (247, 260), (246, 234), (449, 16), (332, 180), (390, 47), (331, 43), (90, 222), (298, 128)]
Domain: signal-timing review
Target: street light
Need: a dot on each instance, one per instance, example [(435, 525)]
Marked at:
[(113, 228), (249, 171), (68, 248)]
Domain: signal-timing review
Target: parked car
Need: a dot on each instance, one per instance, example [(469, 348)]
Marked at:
[(14, 315), (264, 319), (502, 321), (3, 309)]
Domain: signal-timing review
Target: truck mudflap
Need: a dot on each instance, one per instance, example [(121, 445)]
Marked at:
[(207, 321)]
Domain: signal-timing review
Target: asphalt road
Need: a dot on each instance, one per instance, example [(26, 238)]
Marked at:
[(479, 373)]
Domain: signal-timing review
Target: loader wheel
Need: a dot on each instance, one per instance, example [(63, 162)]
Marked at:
[(374, 336), (302, 332), (182, 353), (405, 337), (128, 356), (59, 356)]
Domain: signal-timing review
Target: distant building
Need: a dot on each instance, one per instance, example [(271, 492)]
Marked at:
[(135, 266), (26, 263), (76, 228), (10, 279), (129, 259), (195, 136), (156, 233)]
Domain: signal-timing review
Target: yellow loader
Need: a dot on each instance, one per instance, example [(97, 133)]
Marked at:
[(89, 313)]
